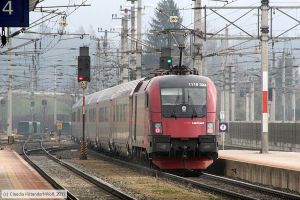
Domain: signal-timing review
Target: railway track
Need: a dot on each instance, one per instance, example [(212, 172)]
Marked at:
[(255, 190), (55, 184), (64, 176), (226, 187), (222, 186)]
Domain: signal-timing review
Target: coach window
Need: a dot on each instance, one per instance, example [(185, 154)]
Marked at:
[(123, 111), (73, 116), (126, 112), (116, 116), (114, 113), (78, 115), (106, 114), (94, 114), (91, 115), (118, 113), (100, 115), (147, 100), (103, 114), (87, 115)]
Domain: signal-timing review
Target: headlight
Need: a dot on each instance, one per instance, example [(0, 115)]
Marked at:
[(210, 128), (157, 128)]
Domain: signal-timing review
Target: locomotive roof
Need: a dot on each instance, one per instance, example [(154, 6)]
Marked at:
[(179, 80), (120, 90)]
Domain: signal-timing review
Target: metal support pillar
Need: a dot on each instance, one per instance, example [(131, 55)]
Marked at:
[(226, 80), (227, 95), (98, 78), (139, 39), (283, 88), (125, 47), (83, 144), (252, 96), (133, 44), (10, 83), (55, 102), (247, 107), (273, 82), (232, 93), (106, 67), (223, 78), (198, 38), (294, 94), (264, 65)]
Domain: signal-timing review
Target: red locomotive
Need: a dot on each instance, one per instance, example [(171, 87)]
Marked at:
[(168, 120)]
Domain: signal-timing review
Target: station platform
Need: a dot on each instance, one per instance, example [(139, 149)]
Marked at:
[(277, 169), (17, 174)]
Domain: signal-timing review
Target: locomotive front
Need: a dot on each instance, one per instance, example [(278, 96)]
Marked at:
[(183, 122)]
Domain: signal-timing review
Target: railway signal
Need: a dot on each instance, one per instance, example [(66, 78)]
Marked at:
[(84, 68), (83, 77), (166, 62)]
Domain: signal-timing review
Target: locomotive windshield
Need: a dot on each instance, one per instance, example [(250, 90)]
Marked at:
[(183, 102)]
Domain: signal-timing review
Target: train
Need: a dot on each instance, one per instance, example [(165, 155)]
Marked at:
[(27, 128), (169, 121)]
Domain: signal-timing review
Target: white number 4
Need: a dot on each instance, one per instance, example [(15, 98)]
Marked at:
[(8, 8)]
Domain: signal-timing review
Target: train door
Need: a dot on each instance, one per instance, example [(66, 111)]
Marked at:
[(97, 124), (133, 116), (130, 121), (112, 122)]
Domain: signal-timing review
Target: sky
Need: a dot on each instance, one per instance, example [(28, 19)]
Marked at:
[(99, 14)]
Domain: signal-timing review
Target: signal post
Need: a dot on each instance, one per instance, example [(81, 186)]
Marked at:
[(83, 145), (83, 78)]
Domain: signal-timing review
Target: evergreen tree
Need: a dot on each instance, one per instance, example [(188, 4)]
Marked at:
[(162, 22), (157, 39)]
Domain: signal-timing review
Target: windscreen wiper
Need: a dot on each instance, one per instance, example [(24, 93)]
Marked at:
[(173, 114), (193, 107)]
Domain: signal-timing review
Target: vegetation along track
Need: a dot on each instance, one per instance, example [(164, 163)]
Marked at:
[(226, 187), (64, 176)]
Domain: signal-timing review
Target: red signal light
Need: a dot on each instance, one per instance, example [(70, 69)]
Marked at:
[(157, 130), (80, 78)]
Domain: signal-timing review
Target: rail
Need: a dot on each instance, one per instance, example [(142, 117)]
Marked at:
[(206, 187), (54, 184), (105, 186)]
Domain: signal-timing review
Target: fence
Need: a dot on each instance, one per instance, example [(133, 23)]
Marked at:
[(282, 136)]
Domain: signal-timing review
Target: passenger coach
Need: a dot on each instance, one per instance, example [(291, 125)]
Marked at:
[(168, 120)]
